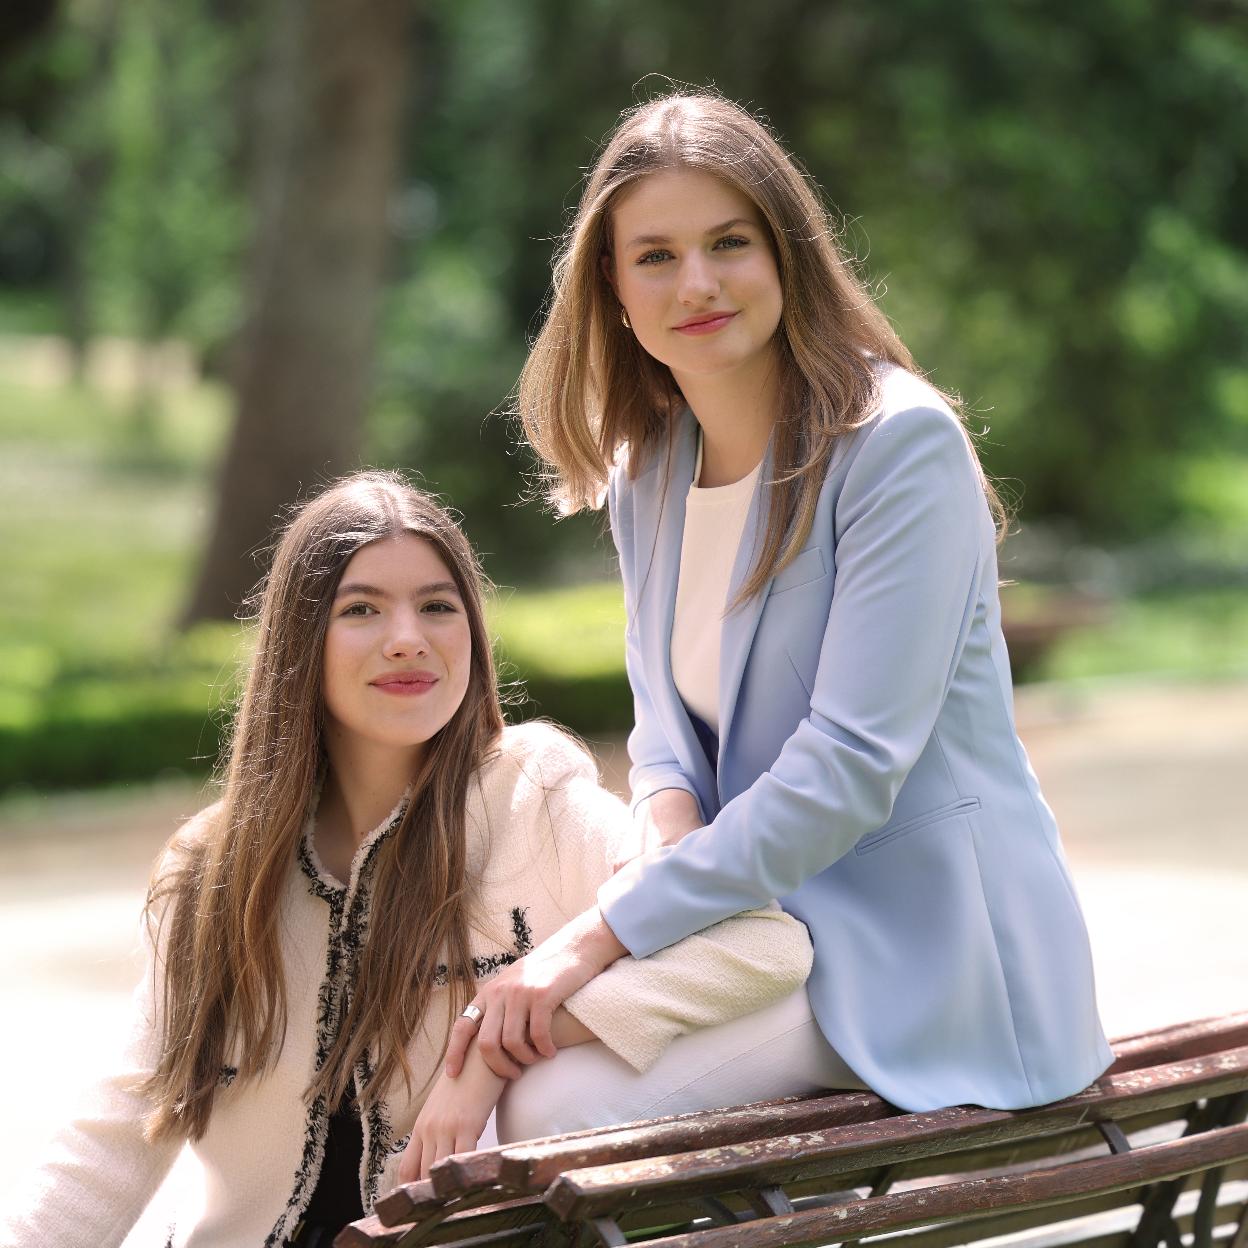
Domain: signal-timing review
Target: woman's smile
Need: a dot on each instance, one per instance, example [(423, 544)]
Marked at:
[(405, 684), (707, 324)]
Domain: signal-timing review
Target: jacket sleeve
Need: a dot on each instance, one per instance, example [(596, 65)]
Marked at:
[(911, 524), (654, 765), (637, 1008), (99, 1173)]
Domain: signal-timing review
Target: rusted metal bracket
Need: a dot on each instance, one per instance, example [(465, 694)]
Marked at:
[(769, 1202), (883, 1181), (1114, 1137), (717, 1211), (608, 1231)]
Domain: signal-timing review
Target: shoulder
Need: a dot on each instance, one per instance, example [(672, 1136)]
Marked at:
[(537, 793), (189, 843), (645, 469), (908, 401), (913, 425), (534, 757)]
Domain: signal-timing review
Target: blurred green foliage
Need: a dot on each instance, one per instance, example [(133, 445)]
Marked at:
[(1196, 636), (1047, 198), (99, 533)]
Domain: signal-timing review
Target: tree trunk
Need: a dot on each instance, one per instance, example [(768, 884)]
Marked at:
[(328, 117)]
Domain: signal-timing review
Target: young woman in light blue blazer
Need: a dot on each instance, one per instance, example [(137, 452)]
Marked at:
[(823, 700)]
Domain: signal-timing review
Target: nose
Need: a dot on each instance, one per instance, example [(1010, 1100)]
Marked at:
[(697, 282), (406, 636)]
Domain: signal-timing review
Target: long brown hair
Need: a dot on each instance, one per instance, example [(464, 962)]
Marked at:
[(224, 985), (590, 394)]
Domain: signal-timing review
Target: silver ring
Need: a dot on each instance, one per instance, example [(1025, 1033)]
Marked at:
[(474, 1014)]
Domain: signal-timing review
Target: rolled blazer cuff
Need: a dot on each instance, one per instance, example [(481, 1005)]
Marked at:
[(660, 784), (620, 903)]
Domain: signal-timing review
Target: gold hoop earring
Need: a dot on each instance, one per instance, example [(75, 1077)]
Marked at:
[(624, 319)]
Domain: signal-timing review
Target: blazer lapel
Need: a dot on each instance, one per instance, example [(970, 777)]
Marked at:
[(667, 486), (741, 623)]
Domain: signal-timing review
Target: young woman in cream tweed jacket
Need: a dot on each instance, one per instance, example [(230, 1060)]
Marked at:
[(539, 837)]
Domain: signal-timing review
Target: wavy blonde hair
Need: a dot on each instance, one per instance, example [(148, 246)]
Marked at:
[(590, 396), (221, 888)]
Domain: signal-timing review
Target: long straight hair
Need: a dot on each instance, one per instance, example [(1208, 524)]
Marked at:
[(221, 889), (590, 396)]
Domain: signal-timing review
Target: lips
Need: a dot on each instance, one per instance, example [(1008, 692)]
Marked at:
[(405, 683), (708, 323)]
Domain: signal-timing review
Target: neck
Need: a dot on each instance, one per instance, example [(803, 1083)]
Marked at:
[(737, 412), (363, 784)]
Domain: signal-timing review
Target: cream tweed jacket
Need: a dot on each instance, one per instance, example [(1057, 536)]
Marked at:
[(542, 834)]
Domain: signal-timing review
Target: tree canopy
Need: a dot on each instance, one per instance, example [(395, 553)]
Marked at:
[(1048, 199)]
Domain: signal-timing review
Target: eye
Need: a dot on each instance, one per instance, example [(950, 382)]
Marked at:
[(655, 257), (440, 607), (730, 242), (359, 609)]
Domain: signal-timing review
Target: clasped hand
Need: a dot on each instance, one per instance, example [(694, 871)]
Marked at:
[(452, 1118), (519, 1004)]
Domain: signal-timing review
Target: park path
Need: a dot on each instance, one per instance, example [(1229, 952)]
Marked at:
[(1145, 781)]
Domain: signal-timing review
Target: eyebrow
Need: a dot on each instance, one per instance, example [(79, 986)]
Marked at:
[(651, 239), (371, 591)]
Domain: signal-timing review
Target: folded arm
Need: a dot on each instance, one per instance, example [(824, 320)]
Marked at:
[(635, 1008)]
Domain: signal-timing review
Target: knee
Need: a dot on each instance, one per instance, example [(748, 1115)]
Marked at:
[(571, 1092)]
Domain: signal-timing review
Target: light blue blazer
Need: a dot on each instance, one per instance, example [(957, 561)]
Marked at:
[(869, 774)]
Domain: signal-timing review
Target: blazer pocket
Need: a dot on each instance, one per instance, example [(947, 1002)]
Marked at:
[(807, 567), (963, 806)]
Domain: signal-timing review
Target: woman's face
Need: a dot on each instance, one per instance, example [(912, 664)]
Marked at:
[(398, 649), (693, 266)]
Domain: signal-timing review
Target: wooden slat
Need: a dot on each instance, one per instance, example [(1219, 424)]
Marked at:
[(1043, 1148), (674, 1133), (506, 1215), (369, 1232), (532, 1167), (408, 1202), (993, 1195), (596, 1191), (1063, 1221), (967, 1229), (417, 1202), (1178, 1042), (961, 1231)]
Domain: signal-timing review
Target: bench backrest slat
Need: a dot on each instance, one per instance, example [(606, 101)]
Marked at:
[(994, 1194), (598, 1190), (1173, 1044)]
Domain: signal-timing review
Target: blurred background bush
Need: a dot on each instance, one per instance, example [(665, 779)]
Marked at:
[(246, 247)]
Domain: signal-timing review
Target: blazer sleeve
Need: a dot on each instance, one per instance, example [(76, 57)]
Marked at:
[(911, 525), (99, 1172), (636, 1008), (654, 764)]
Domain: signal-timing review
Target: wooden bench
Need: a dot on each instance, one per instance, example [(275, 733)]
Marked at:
[(1155, 1152)]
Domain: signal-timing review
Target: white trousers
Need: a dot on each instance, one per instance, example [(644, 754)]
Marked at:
[(776, 1051)]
